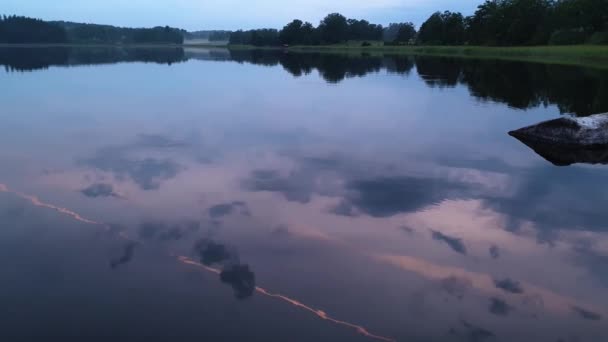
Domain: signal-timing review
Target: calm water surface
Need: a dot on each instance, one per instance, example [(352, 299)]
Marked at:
[(209, 195)]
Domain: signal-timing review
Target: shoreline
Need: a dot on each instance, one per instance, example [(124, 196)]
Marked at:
[(595, 56)]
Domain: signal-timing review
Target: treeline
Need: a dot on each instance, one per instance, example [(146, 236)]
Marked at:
[(521, 22), (15, 30), (23, 30), (106, 34), (333, 29), (494, 23)]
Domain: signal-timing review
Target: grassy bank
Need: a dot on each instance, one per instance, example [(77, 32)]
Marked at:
[(582, 55)]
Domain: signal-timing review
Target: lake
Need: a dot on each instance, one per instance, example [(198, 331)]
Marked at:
[(151, 194)]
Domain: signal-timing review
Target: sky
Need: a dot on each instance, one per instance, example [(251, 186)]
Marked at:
[(229, 14)]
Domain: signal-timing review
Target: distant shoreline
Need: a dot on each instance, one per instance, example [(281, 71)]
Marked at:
[(595, 56)]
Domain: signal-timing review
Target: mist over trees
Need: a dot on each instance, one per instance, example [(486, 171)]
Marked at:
[(212, 36)]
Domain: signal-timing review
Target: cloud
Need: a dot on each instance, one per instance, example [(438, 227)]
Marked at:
[(494, 252), (211, 253), (454, 243), (225, 209), (509, 285), (149, 230), (241, 279), (456, 286), (388, 196), (499, 307), (127, 256), (237, 275), (99, 190), (476, 334), (589, 315), (174, 233), (295, 187), (147, 173)]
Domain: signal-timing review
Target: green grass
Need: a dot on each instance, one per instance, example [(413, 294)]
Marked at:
[(582, 55)]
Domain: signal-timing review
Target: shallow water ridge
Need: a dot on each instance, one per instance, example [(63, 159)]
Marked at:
[(186, 194)]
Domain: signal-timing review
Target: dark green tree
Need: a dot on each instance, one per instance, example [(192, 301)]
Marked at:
[(334, 29), (401, 33), (447, 28)]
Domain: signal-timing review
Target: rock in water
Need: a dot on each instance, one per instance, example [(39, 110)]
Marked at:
[(566, 141)]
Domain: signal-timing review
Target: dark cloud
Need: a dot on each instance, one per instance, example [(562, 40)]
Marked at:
[(99, 190), (296, 187), (211, 253), (597, 263), (167, 232), (454, 243), (586, 314), (494, 252), (344, 208), (237, 275), (174, 233), (127, 255), (508, 285), (241, 279), (499, 307), (149, 230), (406, 229), (226, 209), (147, 173), (158, 141), (456, 286), (554, 199), (281, 230), (477, 334), (384, 197)]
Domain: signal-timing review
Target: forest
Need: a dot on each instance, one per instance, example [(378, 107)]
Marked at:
[(494, 23), (23, 30)]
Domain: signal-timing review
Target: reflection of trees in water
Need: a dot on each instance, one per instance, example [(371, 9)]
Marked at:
[(332, 67), (521, 85), (30, 59), (518, 84)]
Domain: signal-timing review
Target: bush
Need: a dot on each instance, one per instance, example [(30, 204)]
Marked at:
[(567, 37), (366, 44), (599, 38)]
